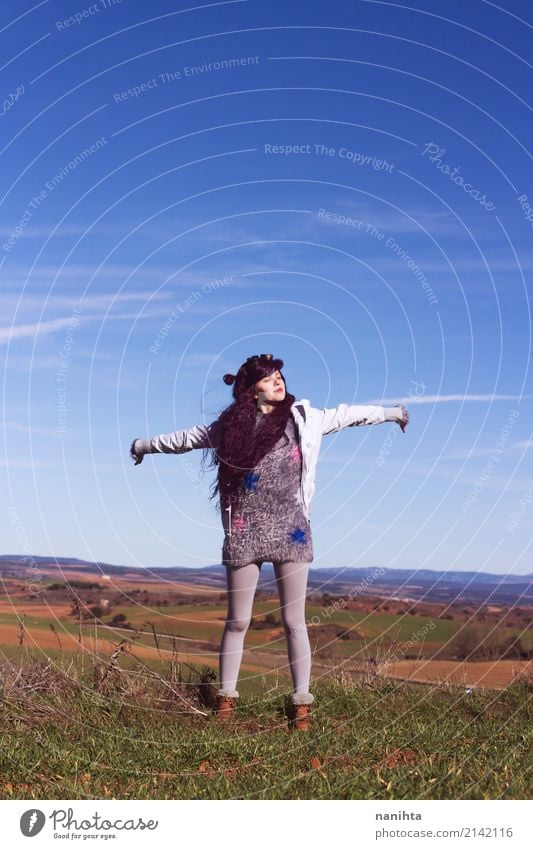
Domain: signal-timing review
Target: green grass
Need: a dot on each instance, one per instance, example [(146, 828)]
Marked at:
[(385, 741)]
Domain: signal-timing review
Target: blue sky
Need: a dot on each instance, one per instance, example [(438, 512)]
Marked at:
[(346, 185)]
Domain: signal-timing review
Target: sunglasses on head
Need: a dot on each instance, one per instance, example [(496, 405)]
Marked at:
[(255, 357)]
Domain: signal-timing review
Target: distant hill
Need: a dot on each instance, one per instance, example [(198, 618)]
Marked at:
[(415, 584)]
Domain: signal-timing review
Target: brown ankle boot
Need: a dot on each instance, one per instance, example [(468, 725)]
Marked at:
[(300, 712), (225, 707)]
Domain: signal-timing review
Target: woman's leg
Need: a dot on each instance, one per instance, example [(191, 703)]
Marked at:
[(291, 578), (242, 583)]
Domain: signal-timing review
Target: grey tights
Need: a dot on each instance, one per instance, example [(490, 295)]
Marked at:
[(291, 579)]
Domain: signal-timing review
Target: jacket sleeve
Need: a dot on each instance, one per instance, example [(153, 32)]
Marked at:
[(352, 415), (178, 441)]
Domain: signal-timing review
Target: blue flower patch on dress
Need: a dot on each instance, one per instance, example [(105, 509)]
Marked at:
[(297, 535), (250, 481)]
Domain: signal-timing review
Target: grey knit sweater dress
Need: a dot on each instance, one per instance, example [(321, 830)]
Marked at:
[(267, 522)]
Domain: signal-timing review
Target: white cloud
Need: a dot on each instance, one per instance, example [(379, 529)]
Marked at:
[(33, 429), (388, 222), (33, 232), (439, 399), (20, 331)]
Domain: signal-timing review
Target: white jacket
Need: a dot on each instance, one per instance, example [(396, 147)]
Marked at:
[(312, 424)]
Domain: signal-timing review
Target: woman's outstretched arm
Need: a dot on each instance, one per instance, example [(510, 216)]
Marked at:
[(175, 442), (353, 415)]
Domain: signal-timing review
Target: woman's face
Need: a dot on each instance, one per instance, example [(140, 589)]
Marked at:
[(270, 389)]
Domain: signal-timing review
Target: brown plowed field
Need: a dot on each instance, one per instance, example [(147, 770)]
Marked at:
[(490, 674)]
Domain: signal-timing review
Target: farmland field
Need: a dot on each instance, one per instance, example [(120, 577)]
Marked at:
[(407, 645)]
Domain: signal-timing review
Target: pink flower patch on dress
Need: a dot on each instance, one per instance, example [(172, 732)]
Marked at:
[(295, 454), (239, 523)]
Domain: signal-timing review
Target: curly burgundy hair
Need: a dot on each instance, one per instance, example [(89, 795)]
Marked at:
[(237, 445)]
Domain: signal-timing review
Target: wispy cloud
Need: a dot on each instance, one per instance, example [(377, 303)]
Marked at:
[(34, 430), (53, 325), (390, 223), (34, 232), (157, 275), (148, 284), (440, 399), (31, 302), (81, 271), (21, 331), (163, 305)]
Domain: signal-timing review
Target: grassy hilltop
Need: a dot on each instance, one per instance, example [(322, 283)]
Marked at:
[(132, 731), (105, 692)]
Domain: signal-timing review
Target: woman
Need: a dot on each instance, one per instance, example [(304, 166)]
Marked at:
[(266, 446)]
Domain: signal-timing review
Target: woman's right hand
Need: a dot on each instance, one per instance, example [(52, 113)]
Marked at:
[(137, 457), (404, 421)]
